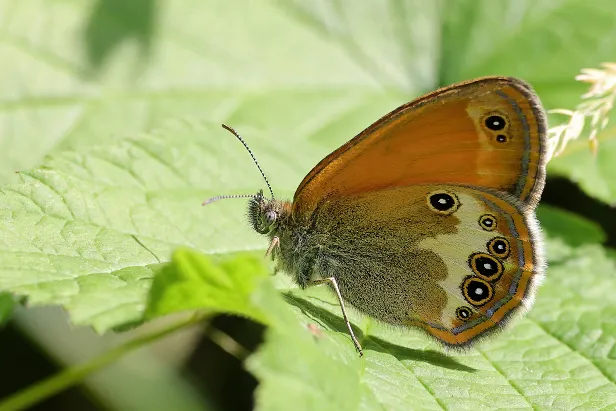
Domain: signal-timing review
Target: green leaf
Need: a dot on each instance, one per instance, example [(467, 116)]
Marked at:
[(595, 174), (193, 281), (89, 232), (566, 230), (575, 310), (572, 228), (104, 68)]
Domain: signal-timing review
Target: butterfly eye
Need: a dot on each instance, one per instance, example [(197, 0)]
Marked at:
[(499, 246), (495, 123), (463, 313), (477, 291), (443, 202), (487, 222), (486, 266), (270, 217)]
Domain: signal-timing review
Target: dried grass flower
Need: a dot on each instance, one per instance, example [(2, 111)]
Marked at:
[(595, 108)]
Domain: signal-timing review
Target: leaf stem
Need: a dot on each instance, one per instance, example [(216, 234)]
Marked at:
[(53, 385)]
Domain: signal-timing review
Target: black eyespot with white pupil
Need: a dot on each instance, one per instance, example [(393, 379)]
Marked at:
[(499, 246), (495, 123), (485, 266), (463, 313), (443, 202), (487, 222), (501, 138), (477, 291)]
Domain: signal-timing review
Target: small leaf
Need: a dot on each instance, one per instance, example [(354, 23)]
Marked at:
[(193, 281), (572, 228)]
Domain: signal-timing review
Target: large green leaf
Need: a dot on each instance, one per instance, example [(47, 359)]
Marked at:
[(83, 71)]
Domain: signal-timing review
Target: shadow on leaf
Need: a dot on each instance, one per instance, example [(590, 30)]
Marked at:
[(336, 323), (404, 353), (113, 22)]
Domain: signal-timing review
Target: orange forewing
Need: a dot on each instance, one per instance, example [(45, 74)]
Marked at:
[(441, 138)]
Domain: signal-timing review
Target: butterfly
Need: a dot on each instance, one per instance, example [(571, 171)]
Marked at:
[(426, 218)]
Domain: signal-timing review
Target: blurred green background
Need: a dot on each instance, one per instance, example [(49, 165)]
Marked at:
[(79, 74)]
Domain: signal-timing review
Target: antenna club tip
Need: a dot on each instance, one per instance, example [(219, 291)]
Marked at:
[(228, 128)]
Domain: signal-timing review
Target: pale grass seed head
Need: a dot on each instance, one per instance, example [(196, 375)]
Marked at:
[(594, 110)]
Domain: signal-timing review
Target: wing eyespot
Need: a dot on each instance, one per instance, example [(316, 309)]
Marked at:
[(499, 246), (496, 122), (443, 202), (485, 266), (477, 291), (463, 313), (487, 222)]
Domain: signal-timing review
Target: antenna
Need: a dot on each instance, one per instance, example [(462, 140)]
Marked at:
[(235, 133), (211, 200)]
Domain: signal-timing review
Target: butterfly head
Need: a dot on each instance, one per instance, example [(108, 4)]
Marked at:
[(266, 214)]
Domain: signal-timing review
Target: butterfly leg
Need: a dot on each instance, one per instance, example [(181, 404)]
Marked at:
[(270, 250), (275, 243), (334, 283)]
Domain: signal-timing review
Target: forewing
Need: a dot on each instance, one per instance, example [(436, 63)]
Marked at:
[(489, 133)]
